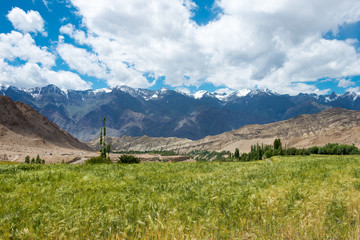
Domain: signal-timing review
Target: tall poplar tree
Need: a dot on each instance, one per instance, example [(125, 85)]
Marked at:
[(104, 148)]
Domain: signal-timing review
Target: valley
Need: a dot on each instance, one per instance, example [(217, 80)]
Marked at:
[(168, 113), (334, 125)]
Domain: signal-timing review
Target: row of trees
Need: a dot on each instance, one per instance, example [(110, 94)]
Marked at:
[(36, 160), (262, 151)]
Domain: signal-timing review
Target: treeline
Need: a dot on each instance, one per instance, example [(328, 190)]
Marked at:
[(162, 153), (38, 160), (259, 152), (207, 156)]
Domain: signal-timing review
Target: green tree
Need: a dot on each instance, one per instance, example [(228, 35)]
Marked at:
[(237, 153), (102, 139), (104, 148), (108, 149), (27, 159), (277, 144), (38, 159)]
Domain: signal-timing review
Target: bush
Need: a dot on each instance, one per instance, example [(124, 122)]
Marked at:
[(127, 159), (268, 154), (98, 160)]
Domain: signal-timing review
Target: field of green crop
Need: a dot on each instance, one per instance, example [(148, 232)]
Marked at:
[(316, 197)]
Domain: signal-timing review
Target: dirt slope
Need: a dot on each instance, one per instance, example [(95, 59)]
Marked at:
[(24, 131), (333, 125)]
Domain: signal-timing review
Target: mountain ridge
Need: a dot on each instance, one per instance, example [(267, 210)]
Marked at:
[(332, 125), (169, 113), (21, 119)]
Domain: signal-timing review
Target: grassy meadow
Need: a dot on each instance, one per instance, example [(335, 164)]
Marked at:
[(313, 197)]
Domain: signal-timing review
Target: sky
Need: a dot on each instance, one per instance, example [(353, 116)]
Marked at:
[(287, 46)]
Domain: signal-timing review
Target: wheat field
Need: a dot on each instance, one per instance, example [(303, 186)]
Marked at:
[(313, 197)]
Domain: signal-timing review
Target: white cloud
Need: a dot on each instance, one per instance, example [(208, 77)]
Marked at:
[(82, 61), (183, 90), (345, 83), (17, 45), (23, 64), (314, 59), (26, 22), (275, 44), (32, 75), (354, 89)]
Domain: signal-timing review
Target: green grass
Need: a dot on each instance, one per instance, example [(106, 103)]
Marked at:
[(316, 197)]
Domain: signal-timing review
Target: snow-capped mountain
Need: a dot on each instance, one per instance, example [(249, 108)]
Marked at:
[(165, 112)]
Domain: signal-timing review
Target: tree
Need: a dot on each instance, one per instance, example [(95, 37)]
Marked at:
[(108, 149), (280, 151), (102, 139), (27, 159), (237, 153), (38, 159), (104, 148), (277, 144)]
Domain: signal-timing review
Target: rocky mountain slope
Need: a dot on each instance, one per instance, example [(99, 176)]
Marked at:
[(25, 131), (333, 125), (168, 113)]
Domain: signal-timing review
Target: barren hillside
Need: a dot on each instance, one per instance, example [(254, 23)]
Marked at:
[(24, 131), (333, 125)]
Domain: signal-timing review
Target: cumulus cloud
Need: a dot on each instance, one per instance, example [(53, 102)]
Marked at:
[(22, 46), (275, 44), (82, 61), (33, 75), (345, 83), (354, 89), (23, 64), (26, 22)]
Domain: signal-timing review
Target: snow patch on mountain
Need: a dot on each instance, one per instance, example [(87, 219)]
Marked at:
[(243, 92), (223, 94), (101, 90), (199, 94)]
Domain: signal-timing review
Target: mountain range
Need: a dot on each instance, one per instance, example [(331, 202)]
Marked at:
[(168, 113), (335, 125)]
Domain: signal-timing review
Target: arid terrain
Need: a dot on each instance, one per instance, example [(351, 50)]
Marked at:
[(24, 131), (334, 125)]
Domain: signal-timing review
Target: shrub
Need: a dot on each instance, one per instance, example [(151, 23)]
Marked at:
[(128, 159), (268, 154), (98, 160)]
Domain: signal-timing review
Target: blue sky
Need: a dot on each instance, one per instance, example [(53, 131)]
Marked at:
[(285, 46)]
